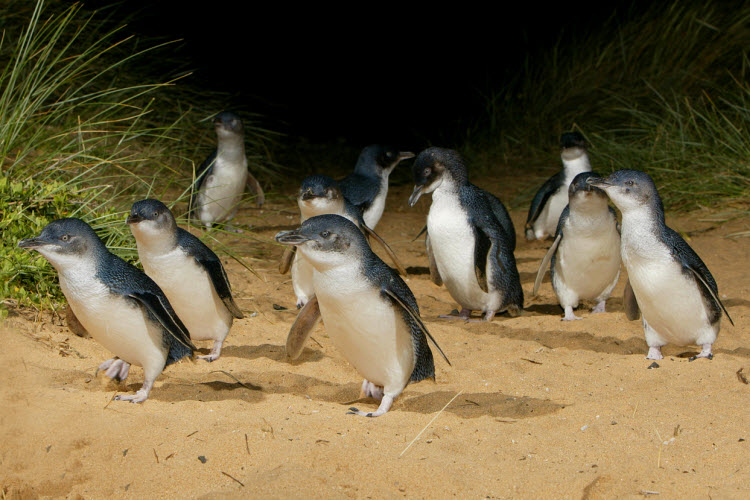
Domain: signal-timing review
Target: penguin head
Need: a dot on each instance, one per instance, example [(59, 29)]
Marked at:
[(228, 124), (572, 145), (319, 194), (629, 190), (326, 240), (64, 242), (377, 160), (432, 166), (151, 220)]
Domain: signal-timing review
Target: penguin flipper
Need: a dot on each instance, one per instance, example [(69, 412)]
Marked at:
[(421, 232), (286, 259), (256, 189), (540, 199), (221, 284), (414, 316), (503, 217), (369, 232), (204, 170), (306, 320), (632, 311), (434, 273), (159, 307), (545, 262), (718, 301), (499, 263)]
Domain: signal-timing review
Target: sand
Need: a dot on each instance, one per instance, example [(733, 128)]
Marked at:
[(539, 408)]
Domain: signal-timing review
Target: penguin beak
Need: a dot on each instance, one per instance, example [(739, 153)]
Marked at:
[(134, 219), (291, 237), (599, 182), (32, 243), (405, 155), (415, 195)]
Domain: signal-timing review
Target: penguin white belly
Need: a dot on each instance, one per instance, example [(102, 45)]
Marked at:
[(366, 328), (546, 223), (452, 243), (118, 324), (302, 279), (670, 301), (222, 190), (587, 263), (190, 292), (375, 212)]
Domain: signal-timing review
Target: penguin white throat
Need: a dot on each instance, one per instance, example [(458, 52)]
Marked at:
[(153, 240), (575, 161), (231, 146)]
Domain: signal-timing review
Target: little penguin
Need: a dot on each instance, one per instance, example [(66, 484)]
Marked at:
[(367, 187), (672, 287), (221, 178), (584, 259), (468, 243), (189, 273), (121, 307), (318, 195), (552, 197), (368, 311)]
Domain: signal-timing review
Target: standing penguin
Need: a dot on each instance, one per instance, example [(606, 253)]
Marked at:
[(467, 242), (369, 313), (319, 195), (222, 176), (676, 294), (188, 272), (549, 201), (367, 187), (585, 256), (121, 307)]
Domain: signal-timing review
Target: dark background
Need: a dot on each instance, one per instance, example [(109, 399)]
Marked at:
[(361, 73)]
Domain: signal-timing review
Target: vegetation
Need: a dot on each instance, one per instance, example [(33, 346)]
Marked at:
[(661, 89)]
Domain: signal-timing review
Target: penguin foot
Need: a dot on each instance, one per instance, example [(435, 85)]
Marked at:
[(231, 229), (301, 301), (385, 405), (116, 369), (569, 315), (209, 357), (599, 308), (370, 390), (140, 396), (705, 353), (465, 314), (654, 353), (215, 352)]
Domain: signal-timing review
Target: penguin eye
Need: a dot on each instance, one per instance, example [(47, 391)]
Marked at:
[(64, 237), (629, 183), (326, 234), (427, 171), (156, 214)]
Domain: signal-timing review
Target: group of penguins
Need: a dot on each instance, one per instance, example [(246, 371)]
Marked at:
[(150, 318)]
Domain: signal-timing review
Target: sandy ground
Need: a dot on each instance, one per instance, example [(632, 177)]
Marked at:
[(540, 408)]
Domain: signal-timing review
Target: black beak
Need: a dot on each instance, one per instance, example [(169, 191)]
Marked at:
[(292, 237), (31, 243), (134, 219), (598, 182), (415, 195), (405, 155)]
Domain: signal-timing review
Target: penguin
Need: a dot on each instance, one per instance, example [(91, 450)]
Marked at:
[(189, 273), (584, 259), (469, 245), (121, 307), (318, 195), (221, 178), (367, 187), (552, 197), (368, 311), (674, 290)]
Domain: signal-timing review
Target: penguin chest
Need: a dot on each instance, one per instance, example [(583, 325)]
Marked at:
[(191, 293), (587, 261), (222, 190), (365, 328), (118, 323), (452, 241), (375, 211), (669, 299), (302, 278)]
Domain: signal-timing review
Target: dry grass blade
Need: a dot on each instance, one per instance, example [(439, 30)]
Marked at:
[(430, 422)]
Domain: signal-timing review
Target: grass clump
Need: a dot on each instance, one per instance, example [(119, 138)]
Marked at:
[(660, 88)]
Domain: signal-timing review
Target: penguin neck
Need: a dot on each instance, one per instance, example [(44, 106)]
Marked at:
[(156, 244), (574, 166), (589, 211), (231, 147), (449, 185), (641, 223)]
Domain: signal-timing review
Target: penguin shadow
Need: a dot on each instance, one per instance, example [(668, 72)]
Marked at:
[(524, 260), (272, 352), (417, 270), (479, 404), (736, 302), (543, 310)]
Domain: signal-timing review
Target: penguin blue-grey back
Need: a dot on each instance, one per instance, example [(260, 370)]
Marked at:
[(675, 292), (190, 274), (552, 197), (368, 311), (468, 243), (121, 307)]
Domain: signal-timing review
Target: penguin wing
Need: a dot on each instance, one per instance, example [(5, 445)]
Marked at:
[(157, 304), (359, 190), (632, 310), (501, 213), (204, 170), (209, 261), (388, 250), (254, 186), (286, 259), (306, 320), (693, 264), (434, 273), (540, 198), (545, 262)]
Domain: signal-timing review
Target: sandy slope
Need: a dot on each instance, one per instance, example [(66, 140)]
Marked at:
[(546, 409)]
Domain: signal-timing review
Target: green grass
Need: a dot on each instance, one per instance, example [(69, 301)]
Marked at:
[(662, 90), (81, 135)]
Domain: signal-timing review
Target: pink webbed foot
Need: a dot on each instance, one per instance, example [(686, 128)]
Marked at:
[(215, 352), (599, 308), (569, 315), (140, 396), (115, 369), (654, 352), (465, 315), (705, 353)]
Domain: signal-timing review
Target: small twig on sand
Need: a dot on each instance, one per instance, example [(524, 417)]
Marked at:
[(247, 444), (430, 422), (230, 375), (110, 400), (233, 478), (155, 455)]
